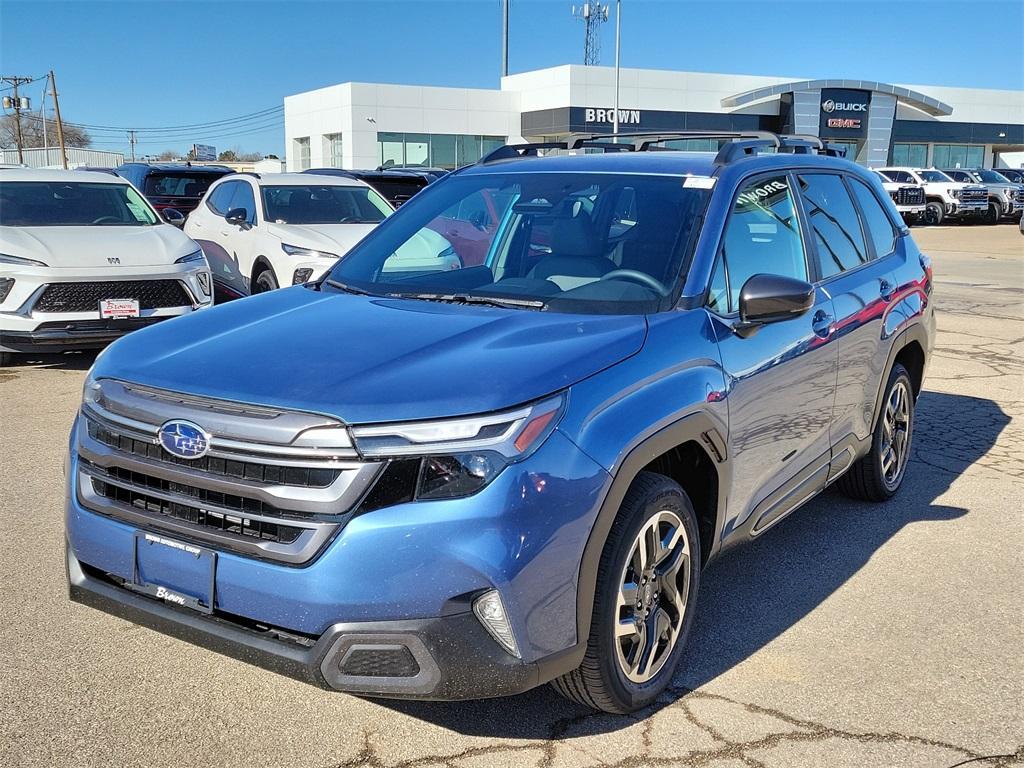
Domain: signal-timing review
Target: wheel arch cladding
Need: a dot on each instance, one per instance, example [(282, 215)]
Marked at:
[(260, 264), (911, 357), (691, 443)]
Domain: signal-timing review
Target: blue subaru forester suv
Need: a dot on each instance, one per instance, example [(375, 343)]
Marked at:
[(454, 483)]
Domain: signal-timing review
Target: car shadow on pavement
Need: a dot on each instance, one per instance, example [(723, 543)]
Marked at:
[(758, 591), (68, 361)]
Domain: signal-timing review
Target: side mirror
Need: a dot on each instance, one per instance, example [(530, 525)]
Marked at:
[(237, 216), (174, 217), (770, 298)]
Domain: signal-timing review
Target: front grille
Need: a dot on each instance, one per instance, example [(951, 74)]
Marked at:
[(973, 196), (206, 518), (275, 484), (909, 196), (1018, 198), (85, 297), (302, 477)]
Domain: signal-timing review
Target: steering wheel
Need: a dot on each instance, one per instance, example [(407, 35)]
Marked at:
[(638, 277), (101, 219)]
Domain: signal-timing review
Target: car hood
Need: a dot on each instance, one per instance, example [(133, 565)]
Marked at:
[(77, 247), (333, 238), (371, 359)]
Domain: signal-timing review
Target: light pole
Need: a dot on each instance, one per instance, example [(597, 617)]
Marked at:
[(618, 29)]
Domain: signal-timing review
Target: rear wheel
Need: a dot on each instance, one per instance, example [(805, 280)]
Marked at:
[(643, 608), (934, 212), (878, 476), (265, 281)]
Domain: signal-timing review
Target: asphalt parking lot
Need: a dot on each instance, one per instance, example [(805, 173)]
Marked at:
[(851, 635)]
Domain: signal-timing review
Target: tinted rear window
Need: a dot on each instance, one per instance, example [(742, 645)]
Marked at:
[(178, 184)]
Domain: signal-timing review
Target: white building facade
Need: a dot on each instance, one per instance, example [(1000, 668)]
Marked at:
[(366, 125)]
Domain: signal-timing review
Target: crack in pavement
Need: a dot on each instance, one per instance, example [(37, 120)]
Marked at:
[(680, 698)]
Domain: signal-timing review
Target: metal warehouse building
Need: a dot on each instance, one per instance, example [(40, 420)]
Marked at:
[(360, 125)]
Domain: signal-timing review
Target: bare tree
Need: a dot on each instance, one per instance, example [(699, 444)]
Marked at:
[(32, 133)]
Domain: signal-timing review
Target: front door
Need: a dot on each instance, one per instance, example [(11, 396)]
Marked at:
[(782, 377)]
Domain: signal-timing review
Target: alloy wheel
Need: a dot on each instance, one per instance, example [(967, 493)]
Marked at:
[(896, 426), (653, 591)]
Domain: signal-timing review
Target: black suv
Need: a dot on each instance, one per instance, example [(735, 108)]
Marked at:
[(394, 186), (178, 186)]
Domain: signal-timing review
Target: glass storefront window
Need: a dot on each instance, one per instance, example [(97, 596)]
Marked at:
[(958, 156), (417, 149), (302, 152), (467, 150), (440, 150), (392, 148), (910, 155), (333, 154)]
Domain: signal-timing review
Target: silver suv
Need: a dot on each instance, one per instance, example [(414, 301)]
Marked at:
[(1005, 198)]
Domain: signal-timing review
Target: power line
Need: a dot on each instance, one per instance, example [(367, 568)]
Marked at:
[(189, 127)]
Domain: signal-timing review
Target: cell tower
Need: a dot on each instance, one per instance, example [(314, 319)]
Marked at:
[(593, 15)]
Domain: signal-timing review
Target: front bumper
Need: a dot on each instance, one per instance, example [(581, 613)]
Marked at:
[(442, 658), (911, 210), (403, 577)]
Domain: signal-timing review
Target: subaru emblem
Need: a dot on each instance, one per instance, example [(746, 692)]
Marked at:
[(184, 439)]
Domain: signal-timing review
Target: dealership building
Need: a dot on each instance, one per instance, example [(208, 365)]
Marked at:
[(365, 125)]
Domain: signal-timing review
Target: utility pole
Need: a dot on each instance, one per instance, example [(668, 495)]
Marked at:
[(504, 37), (42, 114), (132, 141), (18, 104), (618, 30), (60, 125)]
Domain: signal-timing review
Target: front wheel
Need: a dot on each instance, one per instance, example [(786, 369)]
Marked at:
[(643, 608), (994, 213), (934, 212), (877, 476), (265, 281)]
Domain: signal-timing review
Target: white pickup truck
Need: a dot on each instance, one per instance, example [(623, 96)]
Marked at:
[(944, 197), (909, 198)]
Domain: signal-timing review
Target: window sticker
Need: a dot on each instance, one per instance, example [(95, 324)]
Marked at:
[(699, 182)]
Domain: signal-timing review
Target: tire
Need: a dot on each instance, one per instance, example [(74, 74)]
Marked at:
[(652, 503), (934, 212), (994, 213), (265, 281), (870, 479)]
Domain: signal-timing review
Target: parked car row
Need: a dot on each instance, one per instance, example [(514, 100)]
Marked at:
[(932, 196)]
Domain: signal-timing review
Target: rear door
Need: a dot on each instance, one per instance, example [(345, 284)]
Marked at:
[(783, 375), (852, 248)]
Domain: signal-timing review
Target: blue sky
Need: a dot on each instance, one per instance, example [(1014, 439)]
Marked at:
[(159, 63)]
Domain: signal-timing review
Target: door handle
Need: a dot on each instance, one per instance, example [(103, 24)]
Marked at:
[(886, 289), (821, 323)]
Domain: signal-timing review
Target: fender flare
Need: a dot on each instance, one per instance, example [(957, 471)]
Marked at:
[(258, 265), (699, 427), (915, 332)]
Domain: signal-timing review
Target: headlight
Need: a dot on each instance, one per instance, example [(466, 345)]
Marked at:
[(92, 392), (455, 457), (1007, 192), (308, 253), (196, 257), (954, 192), (8, 259)]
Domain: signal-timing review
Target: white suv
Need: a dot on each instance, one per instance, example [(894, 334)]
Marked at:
[(290, 228), (945, 198), (85, 259)]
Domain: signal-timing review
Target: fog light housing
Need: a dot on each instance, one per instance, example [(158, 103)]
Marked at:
[(301, 275), (6, 283), (491, 612), (203, 278)]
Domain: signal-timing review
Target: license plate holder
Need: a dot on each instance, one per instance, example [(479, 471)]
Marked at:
[(174, 571), (115, 309)]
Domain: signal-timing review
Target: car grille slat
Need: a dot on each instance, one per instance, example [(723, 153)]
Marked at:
[(908, 196), (86, 296)]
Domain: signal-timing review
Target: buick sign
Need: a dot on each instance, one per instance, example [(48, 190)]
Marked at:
[(184, 439), (830, 105)]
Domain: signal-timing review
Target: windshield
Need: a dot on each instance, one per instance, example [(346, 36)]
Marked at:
[(72, 204), (175, 184), (587, 242), (991, 176), (323, 204), (933, 176)]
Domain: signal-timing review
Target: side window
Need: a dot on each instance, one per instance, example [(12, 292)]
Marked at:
[(761, 236), (244, 198), (220, 198), (878, 225), (834, 223)]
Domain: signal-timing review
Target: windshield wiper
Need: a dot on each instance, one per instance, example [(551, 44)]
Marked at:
[(463, 298), (349, 288)]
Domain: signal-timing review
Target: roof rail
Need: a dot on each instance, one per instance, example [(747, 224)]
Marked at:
[(247, 173), (739, 144)]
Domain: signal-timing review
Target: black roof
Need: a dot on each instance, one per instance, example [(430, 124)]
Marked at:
[(185, 167)]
